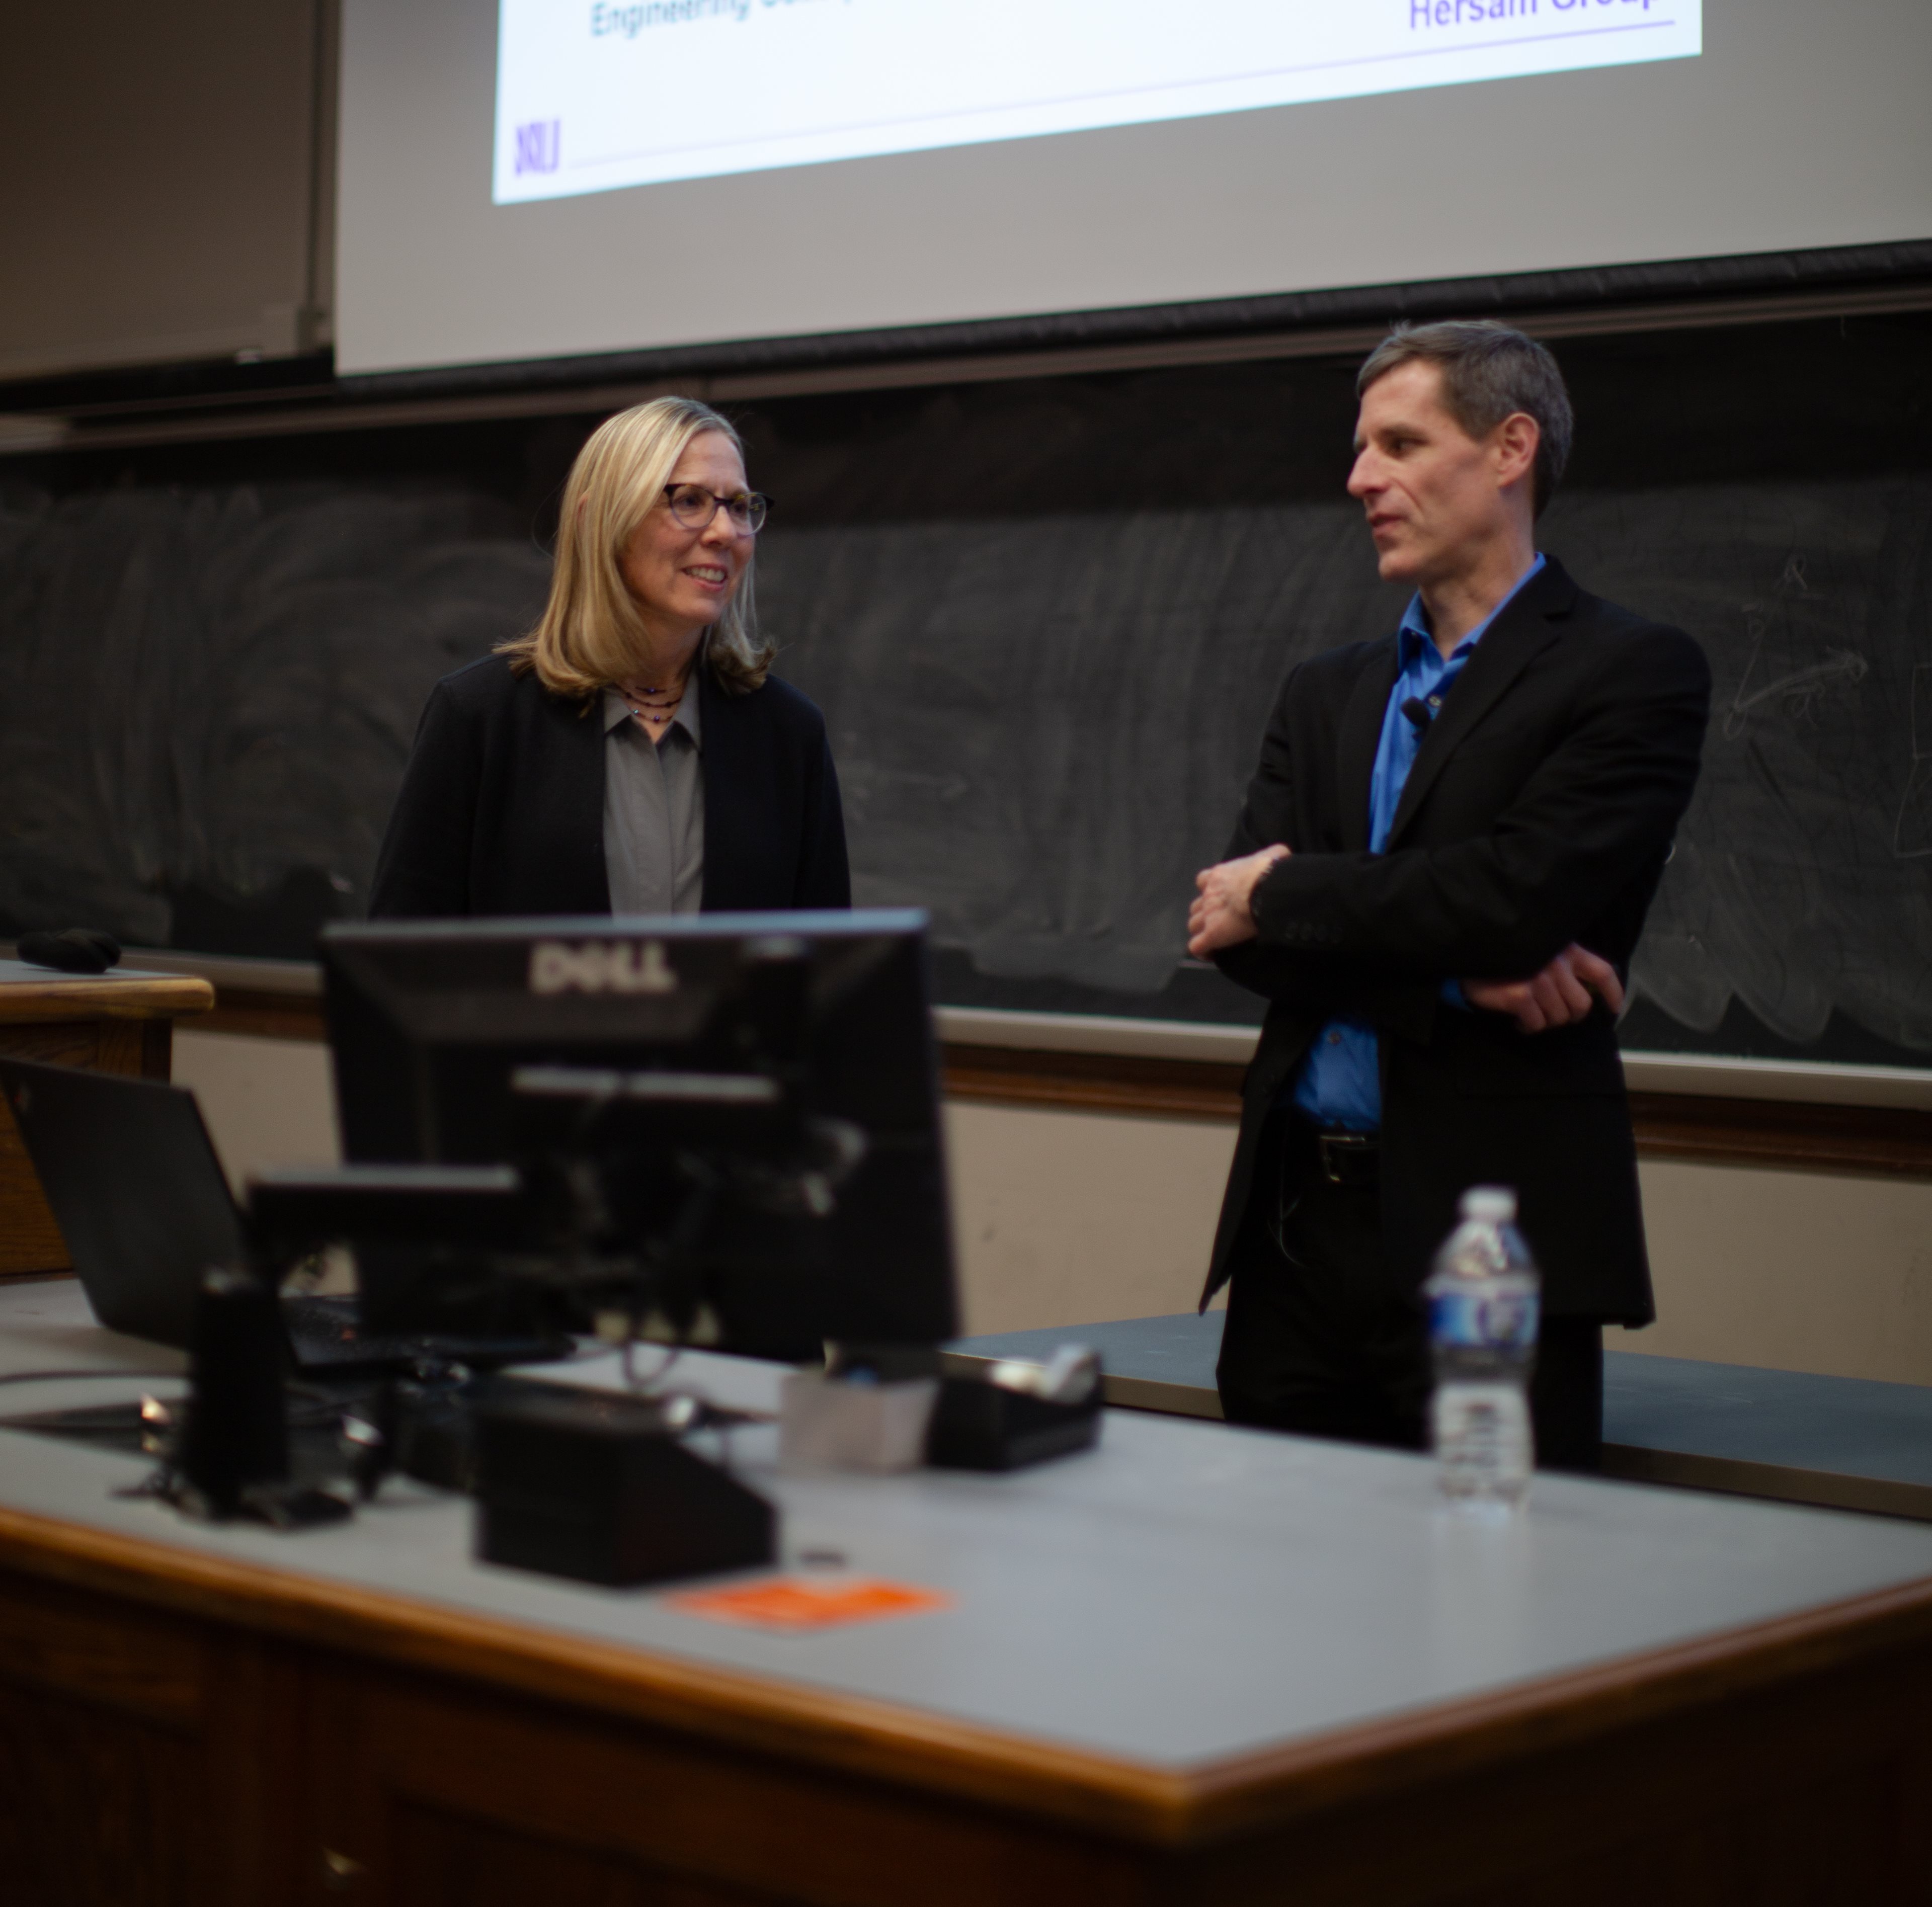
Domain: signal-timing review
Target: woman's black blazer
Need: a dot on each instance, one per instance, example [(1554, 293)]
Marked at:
[(501, 810)]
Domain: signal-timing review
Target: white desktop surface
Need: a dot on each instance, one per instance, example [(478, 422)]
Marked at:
[(1187, 1593)]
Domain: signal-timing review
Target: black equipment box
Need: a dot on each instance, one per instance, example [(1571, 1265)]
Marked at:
[(574, 1483), (978, 1425)]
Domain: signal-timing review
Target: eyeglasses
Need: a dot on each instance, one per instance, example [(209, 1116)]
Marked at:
[(694, 507)]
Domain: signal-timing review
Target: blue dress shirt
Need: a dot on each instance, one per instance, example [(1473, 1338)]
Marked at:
[(1340, 1081)]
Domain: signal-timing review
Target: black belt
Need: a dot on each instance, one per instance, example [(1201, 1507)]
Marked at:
[(1346, 1158)]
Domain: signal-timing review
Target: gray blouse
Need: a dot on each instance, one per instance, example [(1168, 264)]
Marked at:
[(653, 810)]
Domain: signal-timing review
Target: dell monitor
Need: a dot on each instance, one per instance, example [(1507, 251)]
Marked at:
[(756, 1093)]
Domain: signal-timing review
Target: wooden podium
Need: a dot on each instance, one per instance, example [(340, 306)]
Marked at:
[(121, 1021)]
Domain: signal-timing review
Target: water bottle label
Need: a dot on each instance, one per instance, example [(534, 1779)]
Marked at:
[(1483, 1440), (1483, 1321)]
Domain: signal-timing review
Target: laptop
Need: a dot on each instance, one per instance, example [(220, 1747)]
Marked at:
[(132, 1176)]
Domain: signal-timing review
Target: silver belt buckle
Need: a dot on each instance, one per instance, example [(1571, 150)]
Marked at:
[(1339, 1152)]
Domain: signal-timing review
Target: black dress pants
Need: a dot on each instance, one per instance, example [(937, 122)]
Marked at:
[(1320, 1339)]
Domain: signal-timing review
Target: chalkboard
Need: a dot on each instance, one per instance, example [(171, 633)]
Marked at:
[(1048, 781), (1045, 623), (210, 693)]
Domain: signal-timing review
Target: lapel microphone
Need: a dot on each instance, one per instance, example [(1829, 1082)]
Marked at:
[(1420, 713)]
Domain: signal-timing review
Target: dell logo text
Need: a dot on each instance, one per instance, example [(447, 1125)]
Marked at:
[(600, 966)]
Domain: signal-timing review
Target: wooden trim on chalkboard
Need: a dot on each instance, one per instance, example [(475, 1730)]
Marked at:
[(1894, 1140), (1891, 1140), (1094, 1082)]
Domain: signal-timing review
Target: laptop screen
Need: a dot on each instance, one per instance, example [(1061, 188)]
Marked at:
[(131, 1175)]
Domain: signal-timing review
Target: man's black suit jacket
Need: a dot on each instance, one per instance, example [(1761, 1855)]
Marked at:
[(1540, 811), (501, 810)]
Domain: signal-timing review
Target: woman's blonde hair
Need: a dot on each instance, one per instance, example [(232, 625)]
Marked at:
[(590, 634)]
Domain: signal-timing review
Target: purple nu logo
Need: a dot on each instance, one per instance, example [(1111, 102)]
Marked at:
[(537, 144)]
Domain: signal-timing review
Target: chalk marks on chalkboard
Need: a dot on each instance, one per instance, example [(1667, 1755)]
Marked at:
[(211, 693), (1799, 692), (1796, 692), (1789, 893)]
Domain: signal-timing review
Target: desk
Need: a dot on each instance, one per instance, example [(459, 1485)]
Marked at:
[(121, 1021), (1794, 1436), (1199, 1664)]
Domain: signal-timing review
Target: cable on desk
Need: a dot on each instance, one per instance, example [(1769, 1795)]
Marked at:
[(64, 1377)]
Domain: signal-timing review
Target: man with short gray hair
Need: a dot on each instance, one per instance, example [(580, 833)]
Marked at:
[(1439, 875)]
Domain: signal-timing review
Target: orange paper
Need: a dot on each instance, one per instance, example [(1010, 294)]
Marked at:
[(797, 1605)]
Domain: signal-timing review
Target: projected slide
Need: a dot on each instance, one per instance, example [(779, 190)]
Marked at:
[(593, 95)]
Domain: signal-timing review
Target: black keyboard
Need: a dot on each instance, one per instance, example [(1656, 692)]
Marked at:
[(326, 1334)]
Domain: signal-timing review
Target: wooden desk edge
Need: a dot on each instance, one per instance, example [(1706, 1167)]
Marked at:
[(1170, 1806), (83, 997)]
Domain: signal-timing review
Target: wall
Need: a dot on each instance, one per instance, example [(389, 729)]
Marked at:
[(1067, 1218), (1071, 1218), (160, 175), (266, 1102), (1799, 1271), (1060, 1217)]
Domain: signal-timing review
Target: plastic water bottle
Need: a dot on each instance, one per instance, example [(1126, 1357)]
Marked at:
[(1483, 1295)]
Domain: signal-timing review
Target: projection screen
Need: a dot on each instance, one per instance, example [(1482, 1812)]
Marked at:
[(548, 179)]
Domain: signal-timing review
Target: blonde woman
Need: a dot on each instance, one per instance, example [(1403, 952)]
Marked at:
[(631, 754)]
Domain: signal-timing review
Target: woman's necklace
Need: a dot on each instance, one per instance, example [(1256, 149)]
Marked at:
[(653, 707)]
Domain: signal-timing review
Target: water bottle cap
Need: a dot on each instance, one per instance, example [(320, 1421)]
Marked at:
[(1489, 1204)]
